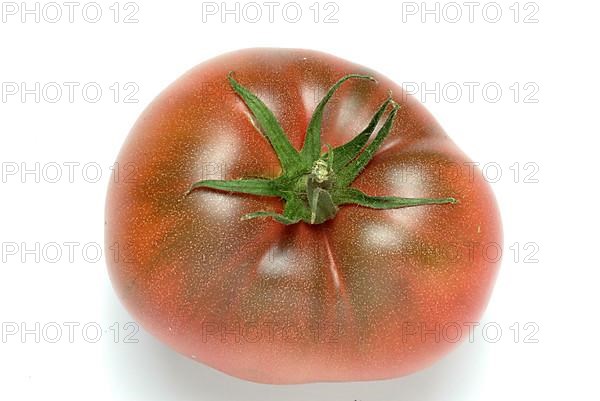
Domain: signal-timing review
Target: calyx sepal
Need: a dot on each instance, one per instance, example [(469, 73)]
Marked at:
[(314, 184)]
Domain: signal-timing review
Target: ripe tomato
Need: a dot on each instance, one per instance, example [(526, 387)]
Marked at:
[(252, 240)]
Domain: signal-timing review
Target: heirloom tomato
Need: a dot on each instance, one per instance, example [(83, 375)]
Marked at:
[(292, 217)]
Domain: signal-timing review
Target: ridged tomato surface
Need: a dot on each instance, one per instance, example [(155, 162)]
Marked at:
[(353, 298)]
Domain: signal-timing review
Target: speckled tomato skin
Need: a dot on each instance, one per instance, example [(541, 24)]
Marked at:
[(350, 299)]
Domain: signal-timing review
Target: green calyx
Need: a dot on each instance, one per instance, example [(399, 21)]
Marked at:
[(313, 184)]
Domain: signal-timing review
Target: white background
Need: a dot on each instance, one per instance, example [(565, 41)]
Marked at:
[(555, 216)]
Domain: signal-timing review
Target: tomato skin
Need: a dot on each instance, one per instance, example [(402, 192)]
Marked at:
[(350, 299)]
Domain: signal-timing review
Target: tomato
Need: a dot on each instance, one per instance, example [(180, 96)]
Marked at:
[(283, 229)]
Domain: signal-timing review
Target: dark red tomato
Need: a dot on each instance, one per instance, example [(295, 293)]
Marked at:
[(294, 259)]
